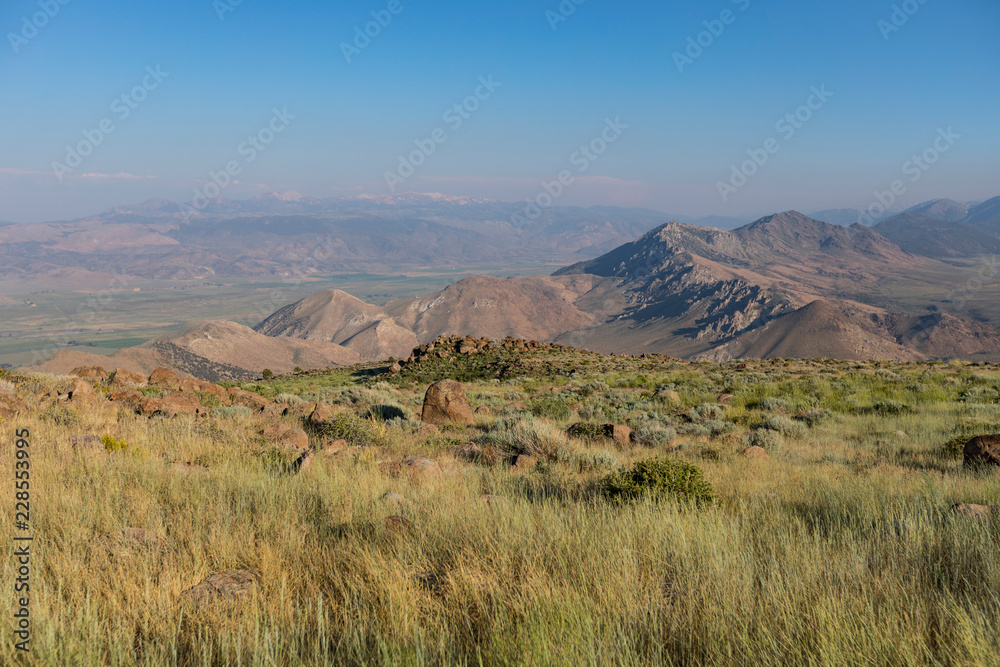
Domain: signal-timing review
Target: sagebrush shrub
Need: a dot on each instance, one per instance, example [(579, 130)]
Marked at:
[(355, 430), (529, 435), (772, 441), (659, 479)]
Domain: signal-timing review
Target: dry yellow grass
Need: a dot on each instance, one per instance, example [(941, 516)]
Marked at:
[(839, 550)]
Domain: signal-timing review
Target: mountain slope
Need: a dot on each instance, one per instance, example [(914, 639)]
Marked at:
[(933, 237)]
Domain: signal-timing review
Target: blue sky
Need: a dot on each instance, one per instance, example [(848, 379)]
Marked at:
[(687, 127)]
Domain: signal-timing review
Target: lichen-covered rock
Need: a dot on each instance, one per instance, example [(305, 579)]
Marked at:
[(445, 403)]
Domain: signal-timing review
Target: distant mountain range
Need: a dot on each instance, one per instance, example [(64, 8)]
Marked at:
[(786, 285), (286, 234), (943, 228), (291, 234)]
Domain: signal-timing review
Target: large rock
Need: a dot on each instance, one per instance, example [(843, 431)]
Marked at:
[(92, 373), (248, 399), (173, 404), (10, 405), (622, 435), (165, 378), (321, 414), (124, 379), (82, 391), (445, 403), (984, 449), (285, 436)]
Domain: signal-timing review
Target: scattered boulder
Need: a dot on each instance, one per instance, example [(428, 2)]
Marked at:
[(165, 378), (334, 447), (86, 442), (321, 414), (755, 452), (177, 403), (91, 373), (304, 462), (445, 402), (129, 397), (417, 465), (10, 406), (231, 586), (291, 438), (983, 449), (622, 435), (670, 395), (975, 511), (248, 399), (82, 391), (123, 379)]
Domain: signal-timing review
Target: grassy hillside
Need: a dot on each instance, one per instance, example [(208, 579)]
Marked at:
[(839, 547)]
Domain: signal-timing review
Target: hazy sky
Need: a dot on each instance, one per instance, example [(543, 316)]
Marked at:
[(201, 77)]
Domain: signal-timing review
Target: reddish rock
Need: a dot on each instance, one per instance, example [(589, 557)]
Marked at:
[(10, 406), (334, 447), (420, 466), (620, 434), (321, 414), (82, 391), (165, 378), (445, 403), (984, 449), (304, 462), (755, 452), (91, 373), (128, 397), (122, 379), (255, 402)]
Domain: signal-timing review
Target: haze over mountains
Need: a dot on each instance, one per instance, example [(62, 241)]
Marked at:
[(292, 234), (786, 285)]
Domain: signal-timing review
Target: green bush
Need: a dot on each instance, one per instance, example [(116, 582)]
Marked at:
[(551, 407), (229, 411), (588, 430), (772, 441), (355, 430), (113, 445), (288, 399), (784, 426), (208, 400), (659, 479), (654, 434), (528, 435)]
